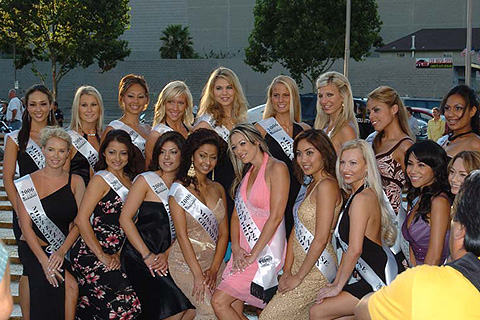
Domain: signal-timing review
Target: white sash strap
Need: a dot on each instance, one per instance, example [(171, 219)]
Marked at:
[(221, 130), (114, 183), (200, 212), (137, 139), (161, 128), (397, 220), (362, 267), (275, 130), (271, 255), (33, 150), (84, 147), (33, 205), (325, 263), (161, 190), (442, 140)]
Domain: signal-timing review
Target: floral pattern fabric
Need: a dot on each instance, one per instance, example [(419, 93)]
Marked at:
[(104, 294)]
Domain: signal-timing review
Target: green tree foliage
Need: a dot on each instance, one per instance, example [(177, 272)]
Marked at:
[(307, 36), (176, 39), (67, 33)]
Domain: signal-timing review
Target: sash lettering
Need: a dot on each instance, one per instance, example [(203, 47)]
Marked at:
[(162, 128), (275, 130), (161, 190), (84, 147), (33, 150), (114, 183), (221, 130), (137, 139), (325, 263), (33, 205), (200, 212)]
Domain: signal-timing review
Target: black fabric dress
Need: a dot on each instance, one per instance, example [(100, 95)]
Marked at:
[(277, 152), (372, 254), (80, 165), (160, 297), (46, 301), (103, 294)]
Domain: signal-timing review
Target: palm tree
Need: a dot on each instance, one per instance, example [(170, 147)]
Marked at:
[(176, 41)]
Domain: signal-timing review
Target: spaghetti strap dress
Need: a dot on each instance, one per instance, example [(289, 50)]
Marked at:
[(103, 294), (372, 254), (46, 301), (238, 285), (80, 165), (159, 296), (277, 152)]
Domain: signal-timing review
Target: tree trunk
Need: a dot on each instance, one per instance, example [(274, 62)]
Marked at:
[(54, 80)]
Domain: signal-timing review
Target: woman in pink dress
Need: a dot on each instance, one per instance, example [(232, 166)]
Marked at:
[(257, 230)]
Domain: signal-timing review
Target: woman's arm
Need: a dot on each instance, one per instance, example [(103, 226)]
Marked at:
[(439, 223), (345, 134), (279, 183), (399, 154), (9, 165), (149, 145), (107, 130)]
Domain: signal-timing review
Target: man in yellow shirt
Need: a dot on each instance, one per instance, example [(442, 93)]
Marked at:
[(436, 126), (432, 292)]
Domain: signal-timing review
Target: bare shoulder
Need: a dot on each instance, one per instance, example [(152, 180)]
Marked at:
[(327, 188), (202, 124), (347, 132), (305, 126), (365, 199), (260, 129), (407, 143), (440, 200), (474, 143), (276, 166), (154, 134), (219, 189), (77, 180)]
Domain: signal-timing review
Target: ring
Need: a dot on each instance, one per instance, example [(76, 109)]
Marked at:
[(156, 258), (52, 275)]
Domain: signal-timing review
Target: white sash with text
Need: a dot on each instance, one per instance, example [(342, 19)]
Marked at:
[(275, 130), (137, 139), (221, 130), (114, 183), (33, 150), (84, 147)]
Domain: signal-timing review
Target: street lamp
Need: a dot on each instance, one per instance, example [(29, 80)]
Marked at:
[(346, 58)]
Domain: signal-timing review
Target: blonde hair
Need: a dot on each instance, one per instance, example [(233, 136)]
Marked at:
[(471, 160), (347, 112), (128, 81), (253, 136), (390, 97), (54, 132), (171, 91), (292, 87), (210, 106), (374, 181), (76, 123)]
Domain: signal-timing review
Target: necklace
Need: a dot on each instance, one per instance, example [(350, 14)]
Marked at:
[(91, 134), (452, 137)]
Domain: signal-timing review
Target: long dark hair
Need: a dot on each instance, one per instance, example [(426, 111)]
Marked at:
[(172, 136), (194, 141), (24, 133), (435, 157), (468, 94), (323, 144), (119, 136)]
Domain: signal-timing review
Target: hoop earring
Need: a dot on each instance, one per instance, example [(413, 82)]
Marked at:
[(191, 171)]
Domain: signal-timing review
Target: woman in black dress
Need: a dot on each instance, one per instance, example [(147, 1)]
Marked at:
[(280, 125), (47, 226), (85, 130), (145, 254), (104, 290), (21, 147)]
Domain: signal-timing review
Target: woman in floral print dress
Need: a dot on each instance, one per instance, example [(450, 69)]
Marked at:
[(104, 290)]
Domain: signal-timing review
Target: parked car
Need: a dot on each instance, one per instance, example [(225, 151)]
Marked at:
[(426, 103)]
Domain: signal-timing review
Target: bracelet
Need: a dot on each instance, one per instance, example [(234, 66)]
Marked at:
[(147, 256)]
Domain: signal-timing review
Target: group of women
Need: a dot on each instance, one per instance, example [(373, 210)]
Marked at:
[(134, 222)]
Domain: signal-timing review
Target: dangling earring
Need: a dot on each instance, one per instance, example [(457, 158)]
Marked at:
[(213, 174), (365, 182), (50, 117), (343, 104), (191, 171)]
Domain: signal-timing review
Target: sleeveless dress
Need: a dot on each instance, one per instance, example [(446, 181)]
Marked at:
[(80, 165), (277, 152), (372, 254), (160, 297), (204, 249), (46, 301), (103, 294), (238, 285), (296, 303)]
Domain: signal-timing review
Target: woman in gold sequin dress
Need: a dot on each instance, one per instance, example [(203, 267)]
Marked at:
[(318, 212)]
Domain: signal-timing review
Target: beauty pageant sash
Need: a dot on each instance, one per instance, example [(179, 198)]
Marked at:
[(114, 183), (221, 130), (33, 150), (362, 267), (137, 139), (162, 128), (84, 147), (325, 263), (265, 282), (33, 205), (200, 212), (159, 187), (275, 130)]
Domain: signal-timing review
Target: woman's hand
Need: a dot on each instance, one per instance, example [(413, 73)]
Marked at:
[(55, 261), (330, 290), (288, 282), (54, 277), (111, 262), (199, 287), (240, 262), (210, 279), (157, 263)]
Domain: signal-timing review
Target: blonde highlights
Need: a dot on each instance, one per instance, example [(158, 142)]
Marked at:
[(54, 132), (295, 107), (171, 91), (76, 123)]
